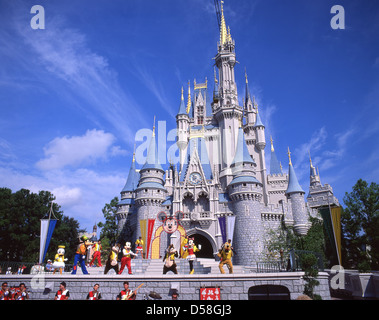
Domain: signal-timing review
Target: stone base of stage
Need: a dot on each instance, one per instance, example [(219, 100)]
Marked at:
[(232, 286)]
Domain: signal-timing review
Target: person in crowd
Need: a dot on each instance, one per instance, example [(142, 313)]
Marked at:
[(62, 293)]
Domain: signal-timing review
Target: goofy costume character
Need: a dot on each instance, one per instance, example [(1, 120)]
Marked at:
[(80, 255)]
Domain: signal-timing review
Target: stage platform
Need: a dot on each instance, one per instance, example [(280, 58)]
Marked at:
[(236, 286)]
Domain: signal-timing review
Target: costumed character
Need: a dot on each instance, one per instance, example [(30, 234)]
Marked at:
[(169, 260), (80, 255), (59, 260), (97, 254), (225, 254), (112, 262), (139, 247), (127, 256), (190, 253)]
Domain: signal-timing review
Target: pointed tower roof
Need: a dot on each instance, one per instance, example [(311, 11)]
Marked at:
[(201, 149), (223, 31), (258, 122), (275, 167), (133, 177), (293, 183), (189, 102), (152, 161), (242, 154), (182, 108), (247, 91)]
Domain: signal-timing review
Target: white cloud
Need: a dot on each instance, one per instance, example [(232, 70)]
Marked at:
[(78, 150)]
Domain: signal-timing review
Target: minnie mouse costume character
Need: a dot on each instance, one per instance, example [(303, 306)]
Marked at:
[(190, 250)]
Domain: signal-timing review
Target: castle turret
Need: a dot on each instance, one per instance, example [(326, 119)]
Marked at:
[(228, 113), (295, 195), (125, 208), (182, 125), (150, 193), (246, 193)]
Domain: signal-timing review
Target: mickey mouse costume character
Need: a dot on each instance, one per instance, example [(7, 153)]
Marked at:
[(169, 260), (190, 250), (128, 255)]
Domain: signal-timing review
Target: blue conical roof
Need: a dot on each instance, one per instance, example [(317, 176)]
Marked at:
[(242, 154), (293, 183), (133, 177), (182, 108), (152, 161), (258, 122), (275, 164)]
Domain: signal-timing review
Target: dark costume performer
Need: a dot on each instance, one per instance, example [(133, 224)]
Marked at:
[(169, 260)]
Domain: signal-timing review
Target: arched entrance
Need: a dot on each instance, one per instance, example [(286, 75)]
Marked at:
[(208, 247)]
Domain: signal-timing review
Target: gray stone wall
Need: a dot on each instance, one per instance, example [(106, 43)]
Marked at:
[(233, 287)]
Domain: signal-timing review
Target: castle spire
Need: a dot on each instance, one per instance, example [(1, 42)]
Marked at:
[(182, 108), (275, 167), (189, 98), (223, 31), (293, 183)]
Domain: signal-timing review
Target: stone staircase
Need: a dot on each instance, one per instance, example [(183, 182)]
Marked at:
[(155, 267)]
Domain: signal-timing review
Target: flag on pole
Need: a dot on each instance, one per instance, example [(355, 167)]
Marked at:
[(150, 229), (222, 222), (47, 229), (332, 223), (230, 223)]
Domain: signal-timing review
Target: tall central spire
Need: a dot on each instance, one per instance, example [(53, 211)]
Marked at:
[(225, 36), (223, 31)]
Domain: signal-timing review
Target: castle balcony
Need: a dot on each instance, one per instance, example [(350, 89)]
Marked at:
[(204, 218)]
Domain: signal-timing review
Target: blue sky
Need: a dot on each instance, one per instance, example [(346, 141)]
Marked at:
[(74, 95)]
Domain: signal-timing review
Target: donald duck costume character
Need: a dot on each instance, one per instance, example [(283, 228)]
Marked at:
[(59, 260)]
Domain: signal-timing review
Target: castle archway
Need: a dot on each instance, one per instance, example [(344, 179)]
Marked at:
[(208, 244)]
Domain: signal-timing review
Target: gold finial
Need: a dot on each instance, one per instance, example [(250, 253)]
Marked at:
[(289, 156), (255, 104), (154, 128), (272, 145), (281, 167), (134, 153), (182, 94), (247, 81), (310, 159), (189, 97)]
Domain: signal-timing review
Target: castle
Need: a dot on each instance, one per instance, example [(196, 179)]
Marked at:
[(221, 189)]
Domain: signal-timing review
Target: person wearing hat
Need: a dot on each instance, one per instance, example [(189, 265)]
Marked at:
[(80, 255)]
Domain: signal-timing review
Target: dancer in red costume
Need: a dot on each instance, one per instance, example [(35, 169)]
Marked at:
[(97, 254), (128, 254)]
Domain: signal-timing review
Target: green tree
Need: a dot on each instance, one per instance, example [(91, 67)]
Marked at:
[(360, 225), (109, 228), (20, 215)]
